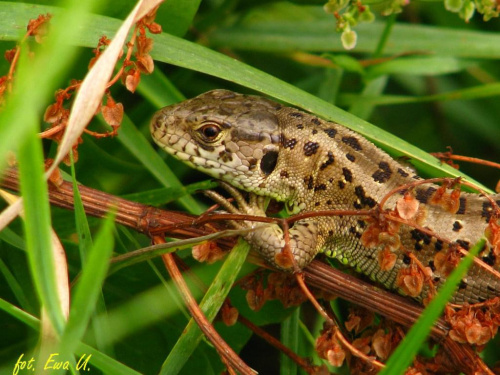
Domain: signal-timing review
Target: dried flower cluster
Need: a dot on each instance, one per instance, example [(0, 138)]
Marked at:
[(372, 341), (474, 324), (57, 114)]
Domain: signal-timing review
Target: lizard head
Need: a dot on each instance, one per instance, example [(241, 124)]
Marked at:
[(229, 136)]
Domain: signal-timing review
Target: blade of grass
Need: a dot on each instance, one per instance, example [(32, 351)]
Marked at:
[(406, 351), (12, 238), (210, 305), (150, 252), (15, 287), (20, 314), (82, 225), (38, 228), (428, 66), (290, 338), (88, 288), (85, 246), (478, 92)]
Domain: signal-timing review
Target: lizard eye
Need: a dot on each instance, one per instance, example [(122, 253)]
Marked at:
[(209, 132)]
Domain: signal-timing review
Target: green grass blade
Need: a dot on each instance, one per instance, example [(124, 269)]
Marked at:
[(478, 92), (290, 338), (89, 286), (12, 238), (38, 228), (82, 225), (406, 351), (427, 66), (210, 305), (19, 314), (85, 247), (15, 287)]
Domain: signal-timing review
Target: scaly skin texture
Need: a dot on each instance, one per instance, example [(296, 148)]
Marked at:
[(271, 150)]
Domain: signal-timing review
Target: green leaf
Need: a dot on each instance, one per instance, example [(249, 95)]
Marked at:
[(82, 225), (290, 338), (429, 66), (38, 227), (85, 246), (88, 289), (9, 236), (15, 287), (19, 314)]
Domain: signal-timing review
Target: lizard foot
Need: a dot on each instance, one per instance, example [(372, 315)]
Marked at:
[(289, 250)]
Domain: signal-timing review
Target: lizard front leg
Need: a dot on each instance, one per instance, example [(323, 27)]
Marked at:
[(269, 239)]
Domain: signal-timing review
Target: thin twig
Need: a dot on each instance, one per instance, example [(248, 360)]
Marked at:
[(450, 156)]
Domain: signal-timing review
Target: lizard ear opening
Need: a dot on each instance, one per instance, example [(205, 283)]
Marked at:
[(268, 162)]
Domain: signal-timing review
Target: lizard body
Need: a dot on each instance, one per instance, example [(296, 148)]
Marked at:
[(270, 150)]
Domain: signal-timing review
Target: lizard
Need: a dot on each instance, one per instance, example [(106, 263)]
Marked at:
[(273, 151)]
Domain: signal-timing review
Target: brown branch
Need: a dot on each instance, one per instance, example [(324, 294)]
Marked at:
[(148, 220)]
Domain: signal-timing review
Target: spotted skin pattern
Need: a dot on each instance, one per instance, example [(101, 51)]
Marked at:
[(265, 148)]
